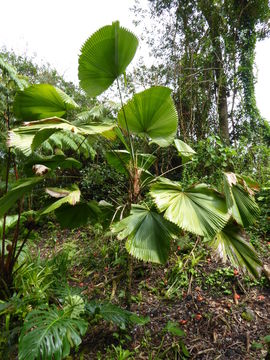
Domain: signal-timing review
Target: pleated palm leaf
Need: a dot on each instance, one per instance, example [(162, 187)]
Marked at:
[(232, 244), (148, 234), (198, 209), (42, 101), (104, 57), (184, 150), (240, 198), (66, 196), (151, 114)]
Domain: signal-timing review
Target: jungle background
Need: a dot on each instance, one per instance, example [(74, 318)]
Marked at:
[(76, 272)]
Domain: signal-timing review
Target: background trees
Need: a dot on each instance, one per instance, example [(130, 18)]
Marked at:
[(206, 51)]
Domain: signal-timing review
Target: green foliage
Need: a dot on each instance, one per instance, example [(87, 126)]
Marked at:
[(100, 182), (50, 333), (37, 132), (69, 143), (199, 209), (10, 222), (151, 114), (52, 162), (121, 160), (10, 71), (42, 101), (212, 159), (232, 244), (263, 199), (115, 314), (73, 216), (105, 56), (119, 353), (33, 281), (20, 188), (184, 150), (211, 71), (264, 343), (148, 234), (239, 198)]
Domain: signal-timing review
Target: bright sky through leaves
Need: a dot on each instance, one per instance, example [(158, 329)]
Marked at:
[(54, 30)]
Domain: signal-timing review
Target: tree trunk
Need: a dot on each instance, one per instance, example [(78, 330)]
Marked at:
[(222, 103), (214, 20)]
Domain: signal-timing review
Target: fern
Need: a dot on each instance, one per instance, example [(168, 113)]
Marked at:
[(49, 333), (68, 141)]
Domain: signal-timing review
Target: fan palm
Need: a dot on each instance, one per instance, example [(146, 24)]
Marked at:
[(151, 116)]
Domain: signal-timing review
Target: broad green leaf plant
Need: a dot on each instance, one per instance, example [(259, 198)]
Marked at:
[(149, 117), (148, 120)]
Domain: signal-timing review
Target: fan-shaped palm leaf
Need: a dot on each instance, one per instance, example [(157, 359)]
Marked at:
[(148, 234), (232, 244), (151, 114), (199, 209), (49, 334), (42, 101), (240, 200), (105, 56)]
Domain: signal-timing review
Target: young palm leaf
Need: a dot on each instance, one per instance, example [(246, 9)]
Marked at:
[(148, 234), (240, 200), (232, 244), (41, 101), (49, 334), (199, 209), (105, 56), (151, 114)]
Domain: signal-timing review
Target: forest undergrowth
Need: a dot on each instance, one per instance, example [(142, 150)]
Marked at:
[(219, 312)]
